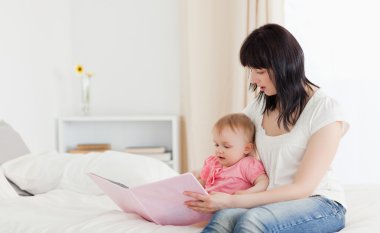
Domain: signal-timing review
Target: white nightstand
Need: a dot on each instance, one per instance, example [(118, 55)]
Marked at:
[(121, 132)]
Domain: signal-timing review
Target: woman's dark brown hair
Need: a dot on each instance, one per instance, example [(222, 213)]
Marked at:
[(274, 48)]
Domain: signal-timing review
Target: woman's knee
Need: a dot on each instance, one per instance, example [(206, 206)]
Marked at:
[(254, 220), (224, 220), (229, 214)]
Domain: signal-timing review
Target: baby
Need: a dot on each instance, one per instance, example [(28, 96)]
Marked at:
[(234, 167)]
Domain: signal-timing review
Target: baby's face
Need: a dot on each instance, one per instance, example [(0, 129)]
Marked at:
[(230, 146)]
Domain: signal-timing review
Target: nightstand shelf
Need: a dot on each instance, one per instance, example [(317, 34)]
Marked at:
[(121, 132)]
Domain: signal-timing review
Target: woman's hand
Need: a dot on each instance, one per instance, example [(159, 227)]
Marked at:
[(208, 203)]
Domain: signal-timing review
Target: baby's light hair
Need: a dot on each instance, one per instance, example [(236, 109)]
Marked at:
[(236, 121)]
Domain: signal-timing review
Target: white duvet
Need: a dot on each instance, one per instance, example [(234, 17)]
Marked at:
[(67, 200)]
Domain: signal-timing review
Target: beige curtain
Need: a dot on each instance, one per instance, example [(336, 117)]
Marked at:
[(213, 83)]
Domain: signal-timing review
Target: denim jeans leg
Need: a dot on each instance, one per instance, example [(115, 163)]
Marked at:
[(311, 215), (224, 221)]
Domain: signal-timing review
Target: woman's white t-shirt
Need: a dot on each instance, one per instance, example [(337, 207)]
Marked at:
[(281, 155)]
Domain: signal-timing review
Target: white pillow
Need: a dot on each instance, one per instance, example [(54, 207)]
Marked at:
[(129, 169), (11, 144), (75, 176), (6, 190), (36, 173), (40, 173)]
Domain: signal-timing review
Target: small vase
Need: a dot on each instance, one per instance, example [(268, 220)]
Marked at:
[(86, 94)]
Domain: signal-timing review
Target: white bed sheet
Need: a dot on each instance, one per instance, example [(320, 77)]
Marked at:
[(363, 215), (68, 212)]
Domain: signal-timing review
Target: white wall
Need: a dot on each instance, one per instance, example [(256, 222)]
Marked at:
[(132, 47), (341, 41), (34, 48)]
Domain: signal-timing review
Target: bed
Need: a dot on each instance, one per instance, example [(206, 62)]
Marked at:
[(51, 192)]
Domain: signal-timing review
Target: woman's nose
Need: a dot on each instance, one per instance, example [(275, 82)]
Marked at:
[(254, 79)]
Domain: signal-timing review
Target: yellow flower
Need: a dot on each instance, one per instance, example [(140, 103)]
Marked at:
[(79, 69)]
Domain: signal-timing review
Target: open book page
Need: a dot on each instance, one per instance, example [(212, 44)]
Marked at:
[(121, 195), (164, 200), (161, 202)]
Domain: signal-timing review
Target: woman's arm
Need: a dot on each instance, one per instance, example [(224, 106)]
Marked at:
[(320, 151)]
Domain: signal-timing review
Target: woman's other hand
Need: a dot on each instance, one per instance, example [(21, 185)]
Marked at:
[(208, 203)]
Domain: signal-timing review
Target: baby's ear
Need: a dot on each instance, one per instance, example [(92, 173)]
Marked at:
[(249, 148), (253, 146)]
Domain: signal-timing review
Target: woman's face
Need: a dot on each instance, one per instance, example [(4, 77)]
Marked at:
[(261, 78)]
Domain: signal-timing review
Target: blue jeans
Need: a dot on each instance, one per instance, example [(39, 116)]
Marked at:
[(313, 214)]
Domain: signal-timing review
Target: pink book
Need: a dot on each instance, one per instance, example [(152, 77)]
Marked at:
[(161, 202)]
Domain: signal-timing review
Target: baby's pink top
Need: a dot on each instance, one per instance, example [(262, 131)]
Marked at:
[(239, 176)]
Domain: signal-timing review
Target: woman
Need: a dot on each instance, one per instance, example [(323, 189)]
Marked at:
[(298, 133)]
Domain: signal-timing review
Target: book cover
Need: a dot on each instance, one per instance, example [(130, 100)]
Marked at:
[(102, 146), (145, 150), (161, 202), (85, 151)]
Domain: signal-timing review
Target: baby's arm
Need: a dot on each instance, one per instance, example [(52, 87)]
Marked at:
[(260, 184)]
